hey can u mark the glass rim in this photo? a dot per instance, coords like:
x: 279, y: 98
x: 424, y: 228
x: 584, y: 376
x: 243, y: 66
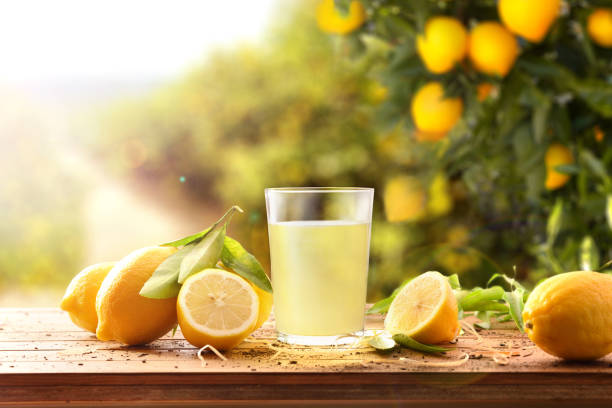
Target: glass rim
x: 319, y: 189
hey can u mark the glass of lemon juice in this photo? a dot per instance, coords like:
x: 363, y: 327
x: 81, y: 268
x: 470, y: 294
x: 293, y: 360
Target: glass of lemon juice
x: 319, y: 253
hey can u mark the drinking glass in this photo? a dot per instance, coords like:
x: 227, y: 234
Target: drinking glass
x: 319, y: 252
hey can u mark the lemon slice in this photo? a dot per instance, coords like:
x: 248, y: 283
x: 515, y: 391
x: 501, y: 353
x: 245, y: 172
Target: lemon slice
x: 217, y: 308
x: 425, y: 309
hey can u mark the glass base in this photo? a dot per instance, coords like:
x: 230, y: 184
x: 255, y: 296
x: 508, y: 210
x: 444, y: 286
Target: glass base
x: 319, y: 340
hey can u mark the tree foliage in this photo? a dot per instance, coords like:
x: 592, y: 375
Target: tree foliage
x: 313, y: 109
x: 558, y: 91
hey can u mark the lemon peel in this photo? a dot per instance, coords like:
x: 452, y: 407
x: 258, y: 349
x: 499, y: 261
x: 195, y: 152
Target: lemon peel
x: 211, y: 348
x: 79, y: 300
x: 124, y: 315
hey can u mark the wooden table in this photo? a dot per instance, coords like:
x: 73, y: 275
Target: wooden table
x: 45, y: 359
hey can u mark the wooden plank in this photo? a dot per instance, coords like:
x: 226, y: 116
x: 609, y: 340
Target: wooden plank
x: 292, y: 364
x: 152, y: 388
x: 44, y: 358
x: 64, y: 351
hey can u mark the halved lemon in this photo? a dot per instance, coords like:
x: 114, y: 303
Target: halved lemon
x: 217, y: 308
x: 425, y: 309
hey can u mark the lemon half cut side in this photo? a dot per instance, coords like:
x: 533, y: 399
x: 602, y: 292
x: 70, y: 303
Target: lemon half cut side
x: 425, y: 309
x: 217, y: 308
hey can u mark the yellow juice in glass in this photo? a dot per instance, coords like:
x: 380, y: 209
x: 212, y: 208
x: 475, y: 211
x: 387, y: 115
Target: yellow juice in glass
x: 319, y: 276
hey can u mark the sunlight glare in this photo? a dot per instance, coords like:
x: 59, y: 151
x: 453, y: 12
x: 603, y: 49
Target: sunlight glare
x: 60, y: 39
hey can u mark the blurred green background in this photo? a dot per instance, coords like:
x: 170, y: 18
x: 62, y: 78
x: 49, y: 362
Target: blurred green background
x: 90, y: 182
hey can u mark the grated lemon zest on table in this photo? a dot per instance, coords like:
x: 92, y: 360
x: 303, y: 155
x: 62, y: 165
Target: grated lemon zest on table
x: 361, y: 342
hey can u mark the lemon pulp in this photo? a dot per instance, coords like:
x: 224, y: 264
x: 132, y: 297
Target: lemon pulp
x: 218, y: 308
x: 425, y: 309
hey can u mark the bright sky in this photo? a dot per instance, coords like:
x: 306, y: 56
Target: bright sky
x: 62, y: 39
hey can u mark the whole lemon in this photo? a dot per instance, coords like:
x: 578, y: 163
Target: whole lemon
x: 443, y: 43
x: 124, y: 315
x: 556, y: 155
x: 330, y: 20
x: 376, y: 93
x: 404, y: 199
x: 492, y: 49
x: 570, y: 315
x: 80, y: 297
x: 440, y: 200
x: 434, y: 113
x: 527, y: 18
x: 265, y: 305
x: 599, y: 27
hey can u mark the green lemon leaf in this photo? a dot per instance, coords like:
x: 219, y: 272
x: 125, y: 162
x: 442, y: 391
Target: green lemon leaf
x: 515, y: 305
x: 512, y: 282
x: 483, y: 325
x: 166, y: 280
x: 589, y: 254
x: 504, y: 318
x: 187, y: 240
x: 541, y: 112
x: 382, y: 306
x: 567, y: 169
x: 596, y: 93
x: 553, y: 225
x: 234, y: 256
x: 382, y: 343
x: 480, y: 296
x: 206, y: 253
x: 609, y: 210
x: 594, y: 164
x: 487, y: 306
x: 485, y: 320
x: 163, y: 284
x: 605, y: 265
x: 411, y: 343
x: 453, y: 280
x: 460, y: 294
